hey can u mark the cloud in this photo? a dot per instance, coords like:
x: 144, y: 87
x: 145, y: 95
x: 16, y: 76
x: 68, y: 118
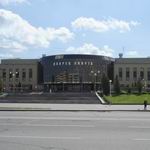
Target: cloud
x: 7, y: 2
x: 88, y: 48
x: 12, y: 46
x: 5, y: 56
x: 18, y: 35
x: 103, y: 25
x: 132, y: 54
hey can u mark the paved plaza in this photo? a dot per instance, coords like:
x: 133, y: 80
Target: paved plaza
x: 70, y: 107
x: 74, y: 130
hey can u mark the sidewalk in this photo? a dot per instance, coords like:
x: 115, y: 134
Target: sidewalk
x: 68, y: 107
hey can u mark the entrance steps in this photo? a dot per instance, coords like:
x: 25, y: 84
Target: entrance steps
x: 57, y: 98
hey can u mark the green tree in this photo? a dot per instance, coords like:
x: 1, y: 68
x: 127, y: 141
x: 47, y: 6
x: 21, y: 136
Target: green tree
x: 139, y: 86
x: 129, y: 90
x: 105, y: 84
x: 116, y: 85
x: 1, y: 85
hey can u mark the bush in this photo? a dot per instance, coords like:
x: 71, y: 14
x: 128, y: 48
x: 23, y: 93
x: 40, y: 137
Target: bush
x: 129, y: 90
x: 117, y: 85
x: 105, y: 84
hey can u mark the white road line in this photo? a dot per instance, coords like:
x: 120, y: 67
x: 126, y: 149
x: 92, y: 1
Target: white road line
x: 141, y: 139
x: 47, y: 125
x: 40, y: 137
x: 139, y: 127
x: 79, y: 118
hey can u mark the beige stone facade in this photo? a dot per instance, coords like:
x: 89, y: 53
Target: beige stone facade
x: 130, y: 70
x: 19, y: 74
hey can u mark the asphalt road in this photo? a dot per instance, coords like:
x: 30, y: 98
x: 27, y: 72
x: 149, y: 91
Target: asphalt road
x: 74, y: 130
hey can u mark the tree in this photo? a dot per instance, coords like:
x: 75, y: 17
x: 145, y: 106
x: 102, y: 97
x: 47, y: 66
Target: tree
x: 1, y: 85
x: 139, y: 86
x: 129, y: 90
x: 105, y: 84
x: 116, y: 85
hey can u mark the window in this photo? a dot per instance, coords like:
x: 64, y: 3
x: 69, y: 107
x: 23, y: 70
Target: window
x: 142, y: 73
x: 4, y: 73
x: 120, y: 73
x: 127, y: 73
x: 17, y: 73
x: 23, y: 74
x: 30, y: 73
x: 54, y: 64
x: 59, y: 63
x: 148, y: 74
x: 10, y: 73
x: 134, y: 73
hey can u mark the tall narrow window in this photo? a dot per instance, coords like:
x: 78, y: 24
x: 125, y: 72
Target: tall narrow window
x: 120, y: 73
x: 134, y: 73
x: 127, y: 73
x: 30, y: 73
x: 4, y: 73
x: 17, y: 73
x: 142, y: 73
x: 23, y: 74
x: 148, y: 74
x: 10, y: 73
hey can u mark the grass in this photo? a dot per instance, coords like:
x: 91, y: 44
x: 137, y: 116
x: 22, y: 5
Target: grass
x: 128, y: 98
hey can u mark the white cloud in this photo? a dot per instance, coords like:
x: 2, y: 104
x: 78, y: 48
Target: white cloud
x: 12, y: 46
x: 5, y: 56
x: 103, y: 25
x: 7, y: 2
x: 88, y: 48
x: 18, y: 34
x: 132, y: 54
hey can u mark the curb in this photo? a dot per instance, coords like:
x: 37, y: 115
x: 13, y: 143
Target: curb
x: 76, y: 110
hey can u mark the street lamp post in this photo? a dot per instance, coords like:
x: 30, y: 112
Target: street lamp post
x: 15, y: 79
x: 144, y: 84
x: 110, y: 81
x: 35, y: 88
x: 95, y: 74
x: 13, y: 76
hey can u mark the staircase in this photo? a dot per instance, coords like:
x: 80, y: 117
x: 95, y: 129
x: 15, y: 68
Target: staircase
x: 57, y: 98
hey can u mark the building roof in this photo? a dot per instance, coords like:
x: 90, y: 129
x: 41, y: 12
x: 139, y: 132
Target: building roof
x: 78, y: 56
x: 19, y: 61
x: 132, y: 61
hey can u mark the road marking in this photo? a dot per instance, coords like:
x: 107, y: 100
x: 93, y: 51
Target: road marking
x: 141, y: 139
x: 47, y: 125
x: 79, y: 118
x: 139, y: 127
x: 40, y: 137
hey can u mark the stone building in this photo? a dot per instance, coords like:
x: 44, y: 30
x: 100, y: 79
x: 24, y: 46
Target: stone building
x: 20, y: 74
x: 130, y: 70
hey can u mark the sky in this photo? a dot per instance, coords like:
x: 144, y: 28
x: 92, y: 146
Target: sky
x: 30, y: 28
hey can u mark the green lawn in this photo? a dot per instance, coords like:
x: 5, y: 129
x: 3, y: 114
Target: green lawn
x: 128, y: 99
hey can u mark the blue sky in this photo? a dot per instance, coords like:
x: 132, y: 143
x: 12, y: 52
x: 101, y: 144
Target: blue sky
x: 30, y: 28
